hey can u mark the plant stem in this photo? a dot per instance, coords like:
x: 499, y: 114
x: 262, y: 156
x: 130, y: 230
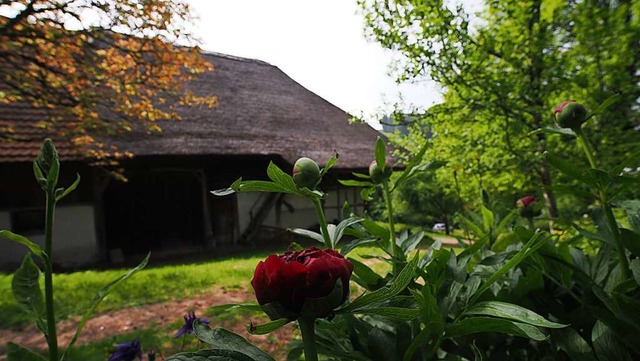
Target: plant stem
x: 307, y: 326
x: 52, y: 338
x: 613, y: 226
x: 532, y: 226
x: 604, y: 200
x: 323, y: 223
x: 584, y: 143
x: 392, y: 228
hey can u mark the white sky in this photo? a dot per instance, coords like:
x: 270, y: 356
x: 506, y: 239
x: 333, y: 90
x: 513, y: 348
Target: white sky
x: 318, y: 43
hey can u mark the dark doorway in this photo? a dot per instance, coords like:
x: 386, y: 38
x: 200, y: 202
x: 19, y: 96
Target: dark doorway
x: 156, y: 210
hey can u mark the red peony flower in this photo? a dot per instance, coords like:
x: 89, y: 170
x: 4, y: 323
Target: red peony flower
x: 311, y: 281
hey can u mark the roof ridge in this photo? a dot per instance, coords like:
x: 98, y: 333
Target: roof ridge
x: 234, y: 57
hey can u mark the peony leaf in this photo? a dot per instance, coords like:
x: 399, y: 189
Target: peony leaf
x: 16, y: 352
x: 34, y: 248
x: 266, y: 327
x: 473, y: 325
x: 224, y: 339
x: 210, y: 355
x: 511, y: 312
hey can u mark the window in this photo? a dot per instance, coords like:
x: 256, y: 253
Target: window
x: 29, y: 221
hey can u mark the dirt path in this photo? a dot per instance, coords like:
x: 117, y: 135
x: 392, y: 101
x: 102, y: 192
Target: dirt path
x: 163, y: 314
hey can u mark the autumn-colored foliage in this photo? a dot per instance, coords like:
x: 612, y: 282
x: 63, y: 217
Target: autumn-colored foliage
x: 98, y: 67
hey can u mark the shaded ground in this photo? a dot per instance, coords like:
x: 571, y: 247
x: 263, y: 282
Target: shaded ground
x: 161, y: 315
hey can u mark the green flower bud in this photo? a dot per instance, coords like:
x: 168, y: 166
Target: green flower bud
x: 306, y: 173
x: 379, y: 175
x: 47, y: 156
x: 570, y: 114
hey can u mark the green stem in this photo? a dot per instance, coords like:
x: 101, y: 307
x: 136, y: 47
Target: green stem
x: 611, y: 220
x: 307, y: 326
x: 52, y: 338
x: 532, y: 226
x: 584, y: 143
x: 613, y: 225
x: 392, y: 228
x: 323, y: 222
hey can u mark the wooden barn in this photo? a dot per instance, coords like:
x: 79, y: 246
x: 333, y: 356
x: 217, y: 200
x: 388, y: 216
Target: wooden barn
x: 166, y: 206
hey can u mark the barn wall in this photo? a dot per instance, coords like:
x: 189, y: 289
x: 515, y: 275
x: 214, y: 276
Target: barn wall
x: 74, y: 242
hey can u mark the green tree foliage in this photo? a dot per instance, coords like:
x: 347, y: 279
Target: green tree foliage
x: 503, y: 73
x: 420, y: 201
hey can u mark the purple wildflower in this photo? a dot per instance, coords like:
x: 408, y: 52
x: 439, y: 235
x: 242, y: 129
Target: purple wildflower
x: 189, y: 318
x: 127, y: 351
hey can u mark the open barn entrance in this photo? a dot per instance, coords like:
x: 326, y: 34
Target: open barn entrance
x: 155, y: 210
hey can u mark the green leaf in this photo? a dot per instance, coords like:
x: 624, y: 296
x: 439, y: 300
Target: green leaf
x: 410, y: 168
x: 307, y: 233
x: 102, y: 293
x: 554, y: 129
x: 234, y: 306
x: 70, y: 189
x: 335, y: 234
x: 570, y: 169
x: 635, y: 269
x: 425, y: 335
x: 505, y: 221
x: 26, y: 290
x: 330, y: 164
x: 266, y: 327
x: 262, y: 186
x: 537, y: 241
x: 376, y: 229
x: 52, y: 176
x: 397, y: 285
x: 365, y: 273
x: 630, y: 240
x: 606, y: 104
x: 632, y: 208
x: 473, y: 228
x: 210, y: 355
x: 393, y: 312
x: 572, y: 189
x: 37, y: 172
x: 224, y: 339
x: 380, y: 153
x: 356, y: 243
x: 472, y: 325
x: 590, y: 235
x: 511, y: 312
x: 16, y: 352
x: 606, y: 344
x: 34, y: 248
x: 355, y: 183
x: 487, y: 218
x: 281, y: 178
x: 617, y: 170
x: 410, y: 243
x: 573, y: 344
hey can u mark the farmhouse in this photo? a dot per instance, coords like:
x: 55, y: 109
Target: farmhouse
x: 166, y: 206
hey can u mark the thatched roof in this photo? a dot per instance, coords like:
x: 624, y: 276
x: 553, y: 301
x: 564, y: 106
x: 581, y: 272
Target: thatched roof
x: 261, y: 111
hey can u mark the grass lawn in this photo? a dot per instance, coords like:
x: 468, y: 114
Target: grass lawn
x: 73, y: 291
